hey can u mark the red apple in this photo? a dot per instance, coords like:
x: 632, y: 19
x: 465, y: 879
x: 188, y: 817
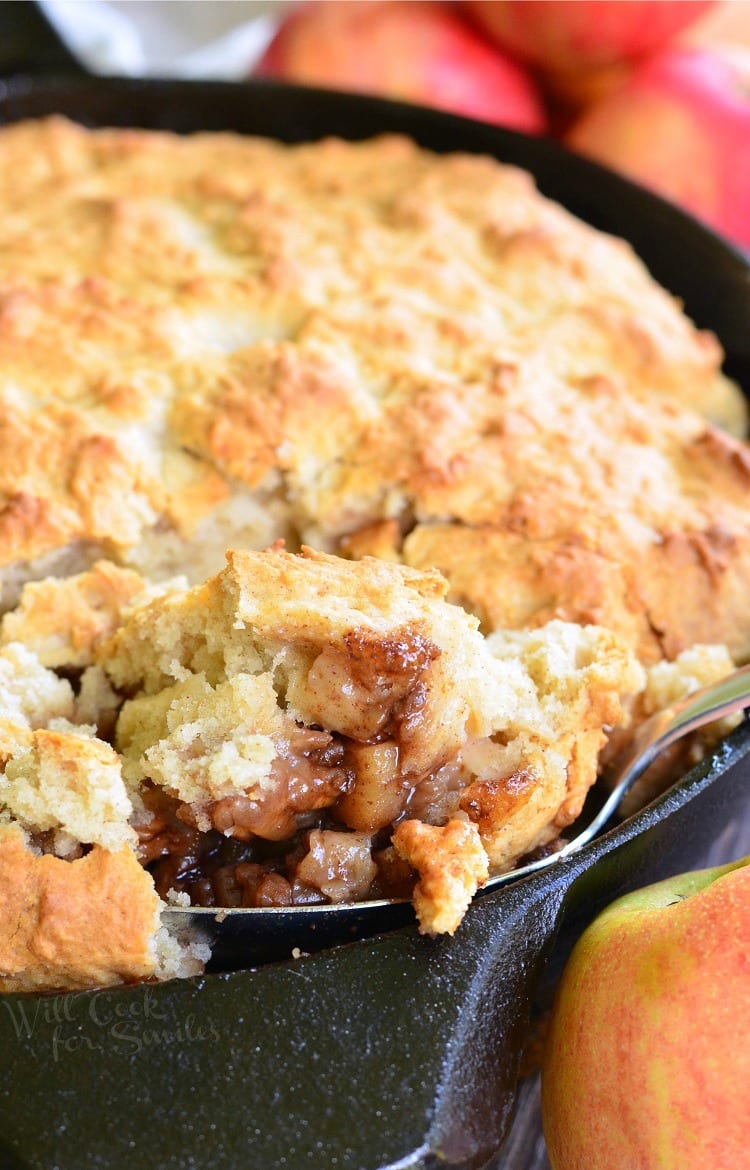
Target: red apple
x: 570, y: 35
x: 647, y: 1061
x: 421, y: 52
x: 681, y: 126
x: 583, y: 48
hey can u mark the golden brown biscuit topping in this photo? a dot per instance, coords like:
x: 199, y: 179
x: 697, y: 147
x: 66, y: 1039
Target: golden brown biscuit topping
x: 215, y: 341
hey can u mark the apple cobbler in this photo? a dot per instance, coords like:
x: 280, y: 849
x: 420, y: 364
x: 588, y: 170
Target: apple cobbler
x: 518, y: 460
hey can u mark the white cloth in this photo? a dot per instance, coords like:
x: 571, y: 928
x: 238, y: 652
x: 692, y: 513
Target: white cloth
x: 220, y: 39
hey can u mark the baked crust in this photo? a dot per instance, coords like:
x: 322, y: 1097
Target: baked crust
x: 452, y: 866
x: 69, y: 783
x: 67, y: 925
x: 63, y: 621
x: 235, y: 340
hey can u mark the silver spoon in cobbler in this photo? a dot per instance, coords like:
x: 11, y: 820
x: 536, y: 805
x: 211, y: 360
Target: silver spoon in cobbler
x: 241, y: 929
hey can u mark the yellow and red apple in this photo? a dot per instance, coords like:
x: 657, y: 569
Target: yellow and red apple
x: 680, y: 125
x: 419, y: 52
x: 647, y: 1061
x: 568, y: 35
x: 583, y: 49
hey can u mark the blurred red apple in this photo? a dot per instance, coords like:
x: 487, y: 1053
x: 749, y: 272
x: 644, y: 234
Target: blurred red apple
x: 647, y: 1059
x: 421, y: 52
x: 583, y: 48
x: 568, y: 35
x: 681, y: 126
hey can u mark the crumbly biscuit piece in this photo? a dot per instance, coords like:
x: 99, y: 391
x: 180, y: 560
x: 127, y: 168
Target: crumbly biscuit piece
x: 67, y: 781
x: 203, y: 742
x: 62, y: 621
x: 236, y: 340
x: 30, y: 697
x: 66, y: 925
x: 30, y: 694
x: 668, y: 683
x: 579, y: 677
x: 452, y: 866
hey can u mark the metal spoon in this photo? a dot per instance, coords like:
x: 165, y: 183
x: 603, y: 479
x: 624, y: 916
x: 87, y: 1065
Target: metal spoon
x: 716, y: 701
x: 249, y: 936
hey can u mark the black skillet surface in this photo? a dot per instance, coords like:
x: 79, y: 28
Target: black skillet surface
x: 394, y: 1050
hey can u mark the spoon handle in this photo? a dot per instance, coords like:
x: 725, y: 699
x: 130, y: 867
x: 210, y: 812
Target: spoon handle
x: 726, y: 697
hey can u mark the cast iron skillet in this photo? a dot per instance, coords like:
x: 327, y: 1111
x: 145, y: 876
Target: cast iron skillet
x: 394, y: 1050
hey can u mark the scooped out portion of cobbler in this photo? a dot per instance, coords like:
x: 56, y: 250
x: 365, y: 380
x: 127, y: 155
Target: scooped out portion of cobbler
x: 297, y: 729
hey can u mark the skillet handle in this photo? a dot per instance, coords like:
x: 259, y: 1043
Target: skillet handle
x: 509, y: 936
x: 391, y: 1051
